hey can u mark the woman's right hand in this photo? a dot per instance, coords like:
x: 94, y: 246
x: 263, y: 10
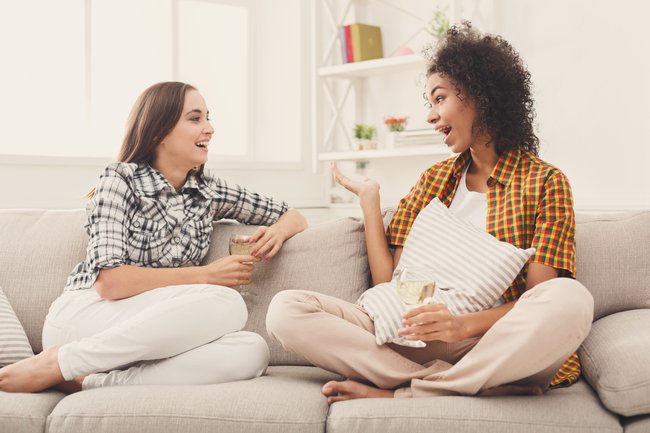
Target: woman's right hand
x: 367, y: 189
x: 231, y: 271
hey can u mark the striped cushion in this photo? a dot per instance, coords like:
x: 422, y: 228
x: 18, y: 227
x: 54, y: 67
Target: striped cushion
x: 475, y: 266
x: 14, y: 345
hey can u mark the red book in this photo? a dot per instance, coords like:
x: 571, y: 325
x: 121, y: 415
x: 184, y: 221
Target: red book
x: 348, y: 42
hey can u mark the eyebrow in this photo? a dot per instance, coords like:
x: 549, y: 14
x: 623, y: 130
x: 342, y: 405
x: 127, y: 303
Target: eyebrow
x: 436, y: 88
x: 196, y: 110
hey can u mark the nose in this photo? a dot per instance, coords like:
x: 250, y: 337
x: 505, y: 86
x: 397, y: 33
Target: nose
x: 208, y: 129
x: 432, y: 116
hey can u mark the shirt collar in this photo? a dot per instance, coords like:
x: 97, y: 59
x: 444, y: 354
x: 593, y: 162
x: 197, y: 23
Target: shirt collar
x: 201, y: 185
x: 148, y: 181
x: 502, y: 171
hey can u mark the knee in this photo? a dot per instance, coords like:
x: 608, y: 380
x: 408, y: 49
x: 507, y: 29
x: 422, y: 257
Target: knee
x: 281, y: 313
x: 573, y: 304
x: 255, y: 355
x: 234, y: 304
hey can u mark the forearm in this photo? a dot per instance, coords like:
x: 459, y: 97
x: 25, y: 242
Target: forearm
x: 477, y: 324
x: 127, y: 280
x: 290, y: 223
x: 379, y: 257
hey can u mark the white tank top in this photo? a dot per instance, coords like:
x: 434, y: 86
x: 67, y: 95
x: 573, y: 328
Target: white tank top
x: 469, y: 205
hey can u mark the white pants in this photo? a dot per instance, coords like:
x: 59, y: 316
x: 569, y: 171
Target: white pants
x: 176, y: 335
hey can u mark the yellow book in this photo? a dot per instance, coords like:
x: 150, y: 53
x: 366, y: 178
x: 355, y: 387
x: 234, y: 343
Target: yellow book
x: 366, y: 42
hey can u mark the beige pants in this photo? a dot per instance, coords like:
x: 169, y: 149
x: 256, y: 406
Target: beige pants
x: 527, y: 345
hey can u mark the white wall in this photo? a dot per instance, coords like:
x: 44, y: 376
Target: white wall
x: 590, y: 65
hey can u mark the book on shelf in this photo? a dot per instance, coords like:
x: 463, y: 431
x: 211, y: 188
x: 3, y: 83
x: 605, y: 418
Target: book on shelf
x: 415, y: 137
x: 360, y: 42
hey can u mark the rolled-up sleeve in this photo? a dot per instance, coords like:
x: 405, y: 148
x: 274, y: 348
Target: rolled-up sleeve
x: 247, y: 207
x: 554, y: 236
x: 108, y: 213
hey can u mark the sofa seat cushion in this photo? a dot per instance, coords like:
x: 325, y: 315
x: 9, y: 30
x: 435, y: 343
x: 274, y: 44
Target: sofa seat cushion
x: 286, y: 400
x: 637, y: 424
x: 615, y: 359
x: 558, y: 411
x: 26, y: 413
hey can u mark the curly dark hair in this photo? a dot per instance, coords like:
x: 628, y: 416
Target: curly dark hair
x: 491, y: 73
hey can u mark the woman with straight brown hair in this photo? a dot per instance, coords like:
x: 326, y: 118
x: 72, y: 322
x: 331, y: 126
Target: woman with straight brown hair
x: 140, y: 309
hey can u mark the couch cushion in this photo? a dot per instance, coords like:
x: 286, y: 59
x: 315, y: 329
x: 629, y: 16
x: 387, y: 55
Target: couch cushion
x: 615, y: 358
x: 38, y: 250
x: 26, y: 413
x: 612, y: 260
x: 329, y: 258
x: 286, y: 400
x: 560, y: 410
x: 637, y: 424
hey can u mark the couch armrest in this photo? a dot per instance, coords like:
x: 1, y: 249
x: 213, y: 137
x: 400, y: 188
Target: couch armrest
x: 615, y: 361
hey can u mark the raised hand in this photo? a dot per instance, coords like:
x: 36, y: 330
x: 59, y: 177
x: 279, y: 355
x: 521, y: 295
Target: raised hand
x: 367, y: 189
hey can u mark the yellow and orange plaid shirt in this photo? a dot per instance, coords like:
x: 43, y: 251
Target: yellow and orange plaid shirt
x: 529, y: 205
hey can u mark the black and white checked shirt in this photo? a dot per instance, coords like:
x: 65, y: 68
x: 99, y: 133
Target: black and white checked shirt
x: 137, y: 218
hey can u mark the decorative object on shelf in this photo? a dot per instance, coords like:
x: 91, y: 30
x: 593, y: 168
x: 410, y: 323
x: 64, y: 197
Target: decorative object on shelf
x: 438, y: 24
x: 404, y: 51
x: 365, y: 135
x: 396, y: 124
x: 360, y: 42
x: 414, y: 137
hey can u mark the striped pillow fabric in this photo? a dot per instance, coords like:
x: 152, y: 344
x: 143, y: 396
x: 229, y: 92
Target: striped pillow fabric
x: 14, y: 344
x: 473, y: 266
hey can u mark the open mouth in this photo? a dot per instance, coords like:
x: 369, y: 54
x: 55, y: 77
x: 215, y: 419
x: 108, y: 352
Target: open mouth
x: 202, y: 144
x: 444, y: 130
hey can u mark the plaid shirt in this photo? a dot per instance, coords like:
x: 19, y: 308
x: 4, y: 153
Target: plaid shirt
x: 529, y: 205
x: 137, y: 218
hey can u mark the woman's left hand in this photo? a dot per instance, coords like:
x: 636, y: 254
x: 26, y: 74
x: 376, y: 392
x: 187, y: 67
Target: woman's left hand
x: 431, y: 322
x: 267, y: 242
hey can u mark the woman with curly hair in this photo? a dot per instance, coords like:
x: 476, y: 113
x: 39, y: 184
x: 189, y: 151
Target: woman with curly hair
x: 479, y: 96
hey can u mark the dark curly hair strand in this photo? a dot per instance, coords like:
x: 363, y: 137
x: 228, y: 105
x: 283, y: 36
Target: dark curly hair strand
x: 491, y: 73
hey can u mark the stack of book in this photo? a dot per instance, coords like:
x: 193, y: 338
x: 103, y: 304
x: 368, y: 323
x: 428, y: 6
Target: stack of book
x: 360, y: 42
x: 415, y: 137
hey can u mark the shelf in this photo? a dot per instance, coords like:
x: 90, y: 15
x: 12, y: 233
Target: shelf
x: 365, y: 155
x: 373, y: 67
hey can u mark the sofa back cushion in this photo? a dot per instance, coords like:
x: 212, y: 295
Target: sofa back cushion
x: 329, y: 258
x: 613, y: 260
x: 38, y: 249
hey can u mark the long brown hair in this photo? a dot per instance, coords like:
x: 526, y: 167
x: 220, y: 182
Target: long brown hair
x: 153, y: 116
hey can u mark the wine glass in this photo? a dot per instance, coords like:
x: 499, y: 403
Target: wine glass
x: 240, y: 245
x: 413, y: 287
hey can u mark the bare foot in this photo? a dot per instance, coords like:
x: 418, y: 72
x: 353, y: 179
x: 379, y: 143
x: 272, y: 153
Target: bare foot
x: 530, y: 389
x: 32, y: 374
x: 349, y: 389
x: 70, y: 386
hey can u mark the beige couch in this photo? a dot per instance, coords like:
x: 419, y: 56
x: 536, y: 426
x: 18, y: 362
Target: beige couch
x: 39, y: 248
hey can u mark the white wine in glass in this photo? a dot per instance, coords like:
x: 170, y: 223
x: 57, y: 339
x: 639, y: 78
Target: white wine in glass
x: 240, y: 245
x: 413, y: 288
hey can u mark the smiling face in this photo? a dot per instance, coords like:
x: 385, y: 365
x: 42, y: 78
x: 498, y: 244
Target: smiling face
x: 186, y: 146
x: 450, y: 115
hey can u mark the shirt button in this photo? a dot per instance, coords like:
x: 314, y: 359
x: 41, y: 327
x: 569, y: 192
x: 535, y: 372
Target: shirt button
x: 177, y: 240
x: 136, y: 224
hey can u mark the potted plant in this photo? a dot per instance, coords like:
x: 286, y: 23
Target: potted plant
x: 438, y: 24
x: 365, y: 136
x: 395, y: 126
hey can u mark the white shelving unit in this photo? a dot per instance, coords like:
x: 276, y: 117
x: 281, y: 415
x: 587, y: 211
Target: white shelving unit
x: 339, y: 89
